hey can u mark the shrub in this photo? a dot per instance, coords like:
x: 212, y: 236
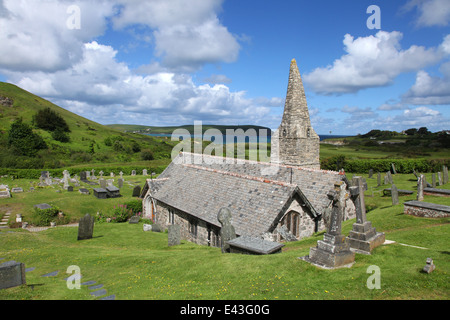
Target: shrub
x: 147, y: 155
x: 60, y: 136
x: 49, y: 120
x: 121, y: 213
x: 43, y: 217
x: 135, y: 206
x: 23, y: 140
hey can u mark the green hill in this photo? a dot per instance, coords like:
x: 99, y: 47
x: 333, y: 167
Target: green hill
x: 89, y: 142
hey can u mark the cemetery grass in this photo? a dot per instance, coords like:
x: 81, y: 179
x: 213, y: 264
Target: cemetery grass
x: 133, y: 264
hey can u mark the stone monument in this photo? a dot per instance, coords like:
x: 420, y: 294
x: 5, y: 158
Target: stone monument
x: 12, y: 274
x: 174, y: 235
x: 334, y: 250
x: 227, y: 231
x: 394, y: 195
x: 86, y: 227
x: 363, y: 238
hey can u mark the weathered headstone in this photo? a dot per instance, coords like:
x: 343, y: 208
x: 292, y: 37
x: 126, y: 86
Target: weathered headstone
x: 83, y: 176
x: 120, y: 183
x: 386, y: 179
x: 370, y: 173
x: 227, y: 231
x: 334, y: 250
x: 445, y: 173
x: 147, y: 227
x: 101, y: 174
x: 429, y: 266
x: 70, y: 188
x: 286, y: 234
x: 433, y: 180
x: 86, y: 227
x: 102, y: 183
x: 83, y: 191
x: 394, y: 195
x: 136, y: 191
x: 133, y: 172
x: 439, y: 178
x: 156, y: 228
x: 113, y: 192
x: 100, y: 193
x: 363, y: 238
x: 144, y: 172
x: 121, y: 174
x: 420, y: 188
x: 174, y: 235
x: 12, y: 274
x: 378, y: 179
x: 393, y: 168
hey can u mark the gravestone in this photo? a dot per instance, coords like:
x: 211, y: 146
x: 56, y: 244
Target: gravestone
x: 433, y: 180
x: 111, y: 174
x: 42, y: 206
x: 156, y: 228
x: 227, y: 231
x: 113, y: 192
x: 286, y: 234
x: 144, y: 172
x: 378, y: 179
x: 386, y: 179
x: 255, y: 246
x: 393, y: 168
x: 334, y: 250
x: 70, y: 188
x: 136, y: 191
x: 394, y: 195
x: 370, y: 173
x: 12, y: 274
x: 439, y: 178
x: 86, y: 227
x: 121, y: 174
x: 134, y: 220
x: 133, y: 172
x: 363, y: 238
x: 147, y: 227
x: 16, y: 190
x: 102, y: 183
x: 174, y: 234
x: 120, y: 183
x: 100, y: 193
x: 420, y: 188
x: 429, y: 266
x: 101, y: 174
x: 83, y: 191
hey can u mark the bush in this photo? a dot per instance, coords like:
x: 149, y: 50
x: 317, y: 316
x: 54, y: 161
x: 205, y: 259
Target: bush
x: 121, y: 213
x: 147, y: 155
x: 43, y: 217
x: 60, y: 136
x: 23, y: 140
x: 135, y: 206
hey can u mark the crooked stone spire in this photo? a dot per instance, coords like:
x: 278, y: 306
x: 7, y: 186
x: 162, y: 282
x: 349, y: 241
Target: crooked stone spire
x: 298, y: 142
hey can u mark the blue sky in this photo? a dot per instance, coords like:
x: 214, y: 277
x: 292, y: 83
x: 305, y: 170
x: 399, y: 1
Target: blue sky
x: 173, y: 62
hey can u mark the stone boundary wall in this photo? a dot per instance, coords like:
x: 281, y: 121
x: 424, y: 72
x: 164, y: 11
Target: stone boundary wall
x: 426, y: 210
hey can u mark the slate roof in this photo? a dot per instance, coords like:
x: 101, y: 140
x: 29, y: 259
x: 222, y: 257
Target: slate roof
x: 256, y: 197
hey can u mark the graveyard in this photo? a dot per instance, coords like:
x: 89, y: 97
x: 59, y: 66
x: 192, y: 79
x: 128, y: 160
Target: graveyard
x: 123, y: 261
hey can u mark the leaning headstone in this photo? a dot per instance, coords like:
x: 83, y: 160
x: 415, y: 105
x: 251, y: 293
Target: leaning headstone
x: 286, y: 234
x: 227, y: 231
x: 420, y: 188
x: 363, y: 238
x: 394, y: 195
x: 136, y: 191
x: 12, y: 274
x: 334, y: 250
x: 174, y: 235
x: 86, y: 227
x: 429, y: 267
x: 393, y: 168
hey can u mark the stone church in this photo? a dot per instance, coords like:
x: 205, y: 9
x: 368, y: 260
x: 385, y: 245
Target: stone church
x: 286, y: 198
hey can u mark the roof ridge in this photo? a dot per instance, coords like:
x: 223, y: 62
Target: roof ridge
x: 262, y: 163
x: 243, y: 176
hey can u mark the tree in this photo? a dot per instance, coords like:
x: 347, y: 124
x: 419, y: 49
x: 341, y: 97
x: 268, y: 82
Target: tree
x: 423, y: 131
x: 23, y: 140
x: 49, y: 120
x: 411, y: 132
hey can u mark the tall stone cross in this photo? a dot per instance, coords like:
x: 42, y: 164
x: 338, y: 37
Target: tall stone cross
x: 338, y: 196
x: 357, y: 196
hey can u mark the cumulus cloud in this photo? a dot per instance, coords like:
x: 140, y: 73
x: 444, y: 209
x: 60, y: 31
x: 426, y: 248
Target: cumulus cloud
x: 430, y: 90
x: 371, y: 61
x: 430, y: 12
x: 107, y: 91
x: 35, y: 35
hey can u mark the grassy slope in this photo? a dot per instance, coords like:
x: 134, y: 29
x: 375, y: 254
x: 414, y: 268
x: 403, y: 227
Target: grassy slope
x: 133, y: 264
x: 83, y: 131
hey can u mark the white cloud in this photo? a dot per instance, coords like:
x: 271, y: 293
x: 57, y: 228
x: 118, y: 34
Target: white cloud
x: 105, y: 90
x: 34, y: 34
x: 431, y: 12
x: 429, y: 90
x: 371, y: 61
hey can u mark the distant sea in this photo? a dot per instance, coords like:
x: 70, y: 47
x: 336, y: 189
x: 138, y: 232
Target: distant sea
x: 321, y: 136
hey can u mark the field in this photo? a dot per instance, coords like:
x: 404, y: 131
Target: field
x: 137, y: 265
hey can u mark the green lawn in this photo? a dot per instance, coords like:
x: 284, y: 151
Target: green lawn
x: 133, y: 264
